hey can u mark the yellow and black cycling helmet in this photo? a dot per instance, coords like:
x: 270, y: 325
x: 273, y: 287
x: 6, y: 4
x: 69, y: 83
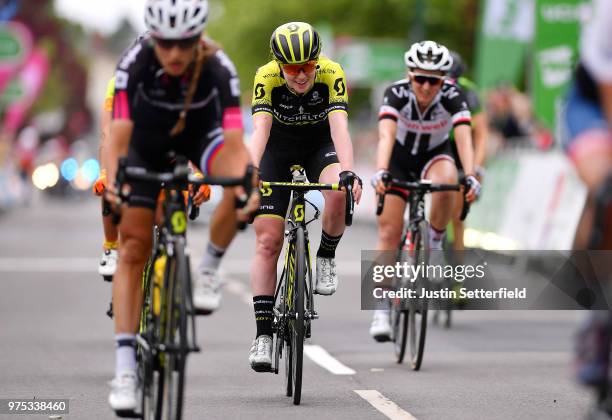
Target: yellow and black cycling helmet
x: 295, y: 43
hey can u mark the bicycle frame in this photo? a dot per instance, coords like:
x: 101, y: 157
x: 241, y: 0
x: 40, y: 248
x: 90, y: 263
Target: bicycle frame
x: 297, y: 217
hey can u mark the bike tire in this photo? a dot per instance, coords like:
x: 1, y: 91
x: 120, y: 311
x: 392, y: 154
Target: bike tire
x: 176, y: 336
x: 297, y: 342
x: 148, y: 363
x: 288, y: 367
x: 284, y: 328
x: 399, y: 314
x: 399, y: 323
x: 417, y: 328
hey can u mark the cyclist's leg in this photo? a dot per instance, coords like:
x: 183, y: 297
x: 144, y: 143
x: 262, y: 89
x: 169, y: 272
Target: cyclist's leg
x: 440, y: 168
x: 390, y: 224
x: 135, y: 247
x: 269, y: 227
x: 588, y: 142
x: 108, y: 262
x: 322, y: 164
x: 218, y: 155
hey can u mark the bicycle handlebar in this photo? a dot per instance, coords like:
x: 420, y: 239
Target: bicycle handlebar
x: 307, y: 186
x: 179, y: 177
x: 424, y: 186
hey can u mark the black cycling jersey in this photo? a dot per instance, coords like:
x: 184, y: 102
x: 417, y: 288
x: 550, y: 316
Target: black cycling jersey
x: 300, y: 118
x: 586, y: 84
x: 145, y: 94
x: 419, y: 132
x: 153, y: 100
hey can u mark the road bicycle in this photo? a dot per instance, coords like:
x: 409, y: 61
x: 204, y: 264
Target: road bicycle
x: 294, y: 307
x: 167, y: 332
x: 408, y: 317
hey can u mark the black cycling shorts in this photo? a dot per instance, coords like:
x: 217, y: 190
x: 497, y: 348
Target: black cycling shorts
x: 408, y: 167
x: 149, y: 150
x: 275, y: 166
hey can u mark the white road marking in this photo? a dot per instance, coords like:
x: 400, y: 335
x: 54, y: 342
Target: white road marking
x: 322, y: 358
x: 384, y: 405
x: 49, y: 264
x: 343, y: 267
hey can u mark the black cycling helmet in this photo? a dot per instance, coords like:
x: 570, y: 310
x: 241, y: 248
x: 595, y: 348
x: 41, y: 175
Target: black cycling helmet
x: 458, y: 67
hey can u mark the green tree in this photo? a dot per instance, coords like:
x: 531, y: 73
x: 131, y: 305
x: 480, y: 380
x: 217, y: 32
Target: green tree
x: 244, y: 28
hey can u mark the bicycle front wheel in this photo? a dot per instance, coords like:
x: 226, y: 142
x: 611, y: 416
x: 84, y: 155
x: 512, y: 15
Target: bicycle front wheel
x: 297, y: 325
x: 399, y: 312
x: 417, y: 313
x: 176, y: 335
x: 148, y: 358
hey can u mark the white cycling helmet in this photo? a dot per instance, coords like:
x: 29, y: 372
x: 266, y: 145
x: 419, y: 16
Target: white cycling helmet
x: 428, y: 55
x: 176, y: 19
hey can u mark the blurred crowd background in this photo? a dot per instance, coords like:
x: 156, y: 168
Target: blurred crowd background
x: 57, y: 56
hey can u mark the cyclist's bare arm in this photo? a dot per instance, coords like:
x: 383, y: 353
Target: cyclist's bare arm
x: 480, y: 129
x: 105, y: 120
x: 338, y: 125
x: 262, y: 123
x: 387, y: 130
x: 605, y: 90
x: 120, y: 136
x: 465, y: 148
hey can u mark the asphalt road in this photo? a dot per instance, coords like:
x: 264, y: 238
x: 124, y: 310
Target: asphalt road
x: 56, y: 341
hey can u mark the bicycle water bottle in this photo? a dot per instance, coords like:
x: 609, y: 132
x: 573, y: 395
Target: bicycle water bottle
x: 158, y: 276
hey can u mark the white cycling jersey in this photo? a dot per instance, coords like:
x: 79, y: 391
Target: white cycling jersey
x: 596, y: 42
x: 419, y: 131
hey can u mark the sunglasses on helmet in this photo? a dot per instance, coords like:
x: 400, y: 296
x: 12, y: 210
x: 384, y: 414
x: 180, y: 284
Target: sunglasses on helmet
x: 295, y: 69
x: 421, y: 79
x: 182, y: 44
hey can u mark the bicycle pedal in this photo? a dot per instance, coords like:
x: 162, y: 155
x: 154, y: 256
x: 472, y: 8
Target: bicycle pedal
x: 262, y: 368
x: 108, y: 279
x: 131, y: 414
x: 110, y: 312
x: 202, y: 312
x: 382, y: 338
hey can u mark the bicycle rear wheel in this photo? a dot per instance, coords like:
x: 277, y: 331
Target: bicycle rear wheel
x: 283, y: 342
x: 417, y: 317
x: 288, y: 354
x: 176, y: 350
x: 298, y: 323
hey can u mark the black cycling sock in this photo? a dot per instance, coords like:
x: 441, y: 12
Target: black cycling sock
x: 263, y: 305
x: 327, y: 248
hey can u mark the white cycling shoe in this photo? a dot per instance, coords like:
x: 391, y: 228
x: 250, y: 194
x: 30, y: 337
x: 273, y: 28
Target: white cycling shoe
x: 108, y: 264
x: 327, y: 279
x: 260, y: 355
x: 124, y: 392
x: 380, y: 329
x: 207, y: 287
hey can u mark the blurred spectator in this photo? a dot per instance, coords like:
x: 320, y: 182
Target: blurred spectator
x: 509, y: 112
x: 57, y: 79
x: 512, y: 120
